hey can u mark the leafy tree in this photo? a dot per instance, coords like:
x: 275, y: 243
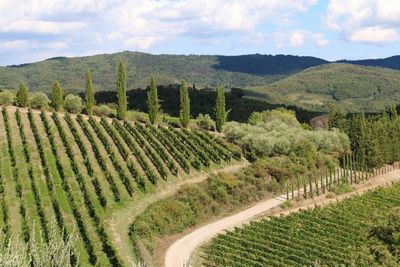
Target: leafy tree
x: 56, y: 96
x: 39, y: 100
x: 89, y: 93
x: 73, y: 103
x: 102, y: 110
x: 22, y: 98
x: 121, y: 91
x: 205, y: 122
x: 184, y: 113
x: 152, y: 101
x: 337, y: 119
x: 220, y: 112
x: 6, y: 98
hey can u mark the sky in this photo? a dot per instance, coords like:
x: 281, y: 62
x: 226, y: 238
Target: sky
x: 34, y: 30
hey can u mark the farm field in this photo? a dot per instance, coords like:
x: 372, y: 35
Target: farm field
x: 337, y: 234
x: 75, y: 171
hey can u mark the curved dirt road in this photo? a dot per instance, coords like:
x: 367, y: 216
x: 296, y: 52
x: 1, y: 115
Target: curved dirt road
x: 179, y: 253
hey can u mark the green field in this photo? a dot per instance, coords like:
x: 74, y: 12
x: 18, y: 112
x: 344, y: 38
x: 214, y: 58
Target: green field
x: 75, y: 172
x: 323, y: 236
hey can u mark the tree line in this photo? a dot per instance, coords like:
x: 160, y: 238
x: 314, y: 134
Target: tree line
x: 374, y: 139
x: 74, y: 104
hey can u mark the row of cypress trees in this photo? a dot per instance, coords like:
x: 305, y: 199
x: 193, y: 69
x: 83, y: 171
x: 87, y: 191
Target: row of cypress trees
x: 374, y: 140
x: 154, y: 104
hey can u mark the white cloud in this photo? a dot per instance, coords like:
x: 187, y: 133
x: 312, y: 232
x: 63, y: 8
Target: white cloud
x: 15, y: 44
x: 368, y: 21
x: 299, y: 38
x: 39, y: 26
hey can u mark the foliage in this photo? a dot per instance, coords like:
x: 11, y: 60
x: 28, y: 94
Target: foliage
x: 57, y: 96
x: 220, y: 112
x: 278, y: 138
x: 39, y: 100
x: 337, y: 119
x: 102, y: 110
x: 152, y: 102
x: 22, y: 97
x: 281, y: 114
x: 205, y: 122
x: 73, y: 103
x: 6, y: 98
x: 89, y: 93
x: 121, y: 91
x: 184, y: 110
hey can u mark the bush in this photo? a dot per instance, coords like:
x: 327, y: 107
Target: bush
x: 286, y: 116
x: 73, y: 103
x: 39, y: 100
x: 6, y: 98
x: 102, y: 110
x: 205, y: 122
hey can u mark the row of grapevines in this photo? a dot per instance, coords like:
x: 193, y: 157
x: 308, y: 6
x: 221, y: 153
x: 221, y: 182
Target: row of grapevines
x: 157, y: 146
x: 18, y: 186
x: 86, y: 158
x: 4, y: 210
x: 140, y: 156
x: 234, y: 150
x: 35, y: 190
x: 157, y: 134
x: 106, y: 244
x: 50, y: 187
x: 210, y: 150
x: 181, y: 147
x: 220, y: 150
x: 75, y: 168
x: 198, y: 151
x: 118, y: 167
x: 154, y: 158
x: 327, y: 235
x: 65, y: 186
x: 99, y: 157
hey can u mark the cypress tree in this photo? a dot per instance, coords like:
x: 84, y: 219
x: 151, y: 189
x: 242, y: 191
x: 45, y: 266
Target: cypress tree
x: 152, y: 101
x: 22, y: 97
x: 89, y: 93
x: 56, y: 96
x: 184, y: 112
x: 121, y: 91
x: 220, y: 112
x: 337, y: 119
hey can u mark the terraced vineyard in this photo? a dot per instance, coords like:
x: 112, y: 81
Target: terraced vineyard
x: 328, y: 236
x: 72, y: 170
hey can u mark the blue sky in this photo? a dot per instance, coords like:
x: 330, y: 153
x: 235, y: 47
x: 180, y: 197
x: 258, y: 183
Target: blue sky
x: 34, y: 30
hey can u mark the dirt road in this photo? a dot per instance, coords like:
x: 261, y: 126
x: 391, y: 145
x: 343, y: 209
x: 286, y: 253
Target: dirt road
x: 179, y: 253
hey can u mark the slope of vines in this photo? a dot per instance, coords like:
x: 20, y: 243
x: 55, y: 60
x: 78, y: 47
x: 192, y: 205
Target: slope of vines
x: 325, y: 236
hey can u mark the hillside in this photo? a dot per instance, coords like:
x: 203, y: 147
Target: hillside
x: 239, y: 71
x: 74, y: 172
x: 389, y: 62
x: 353, y: 87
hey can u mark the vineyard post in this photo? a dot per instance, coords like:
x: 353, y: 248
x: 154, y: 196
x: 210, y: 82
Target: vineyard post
x: 305, y: 186
x: 311, y: 188
x: 316, y: 185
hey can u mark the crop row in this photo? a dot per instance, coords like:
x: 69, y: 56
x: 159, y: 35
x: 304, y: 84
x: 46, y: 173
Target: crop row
x: 118, y: 167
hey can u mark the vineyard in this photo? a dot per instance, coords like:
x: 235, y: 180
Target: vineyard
x: 323, y: 236
x: 71, y: 170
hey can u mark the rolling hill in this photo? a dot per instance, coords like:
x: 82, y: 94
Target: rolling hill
x: 238, y: 71
x: 353, y: 87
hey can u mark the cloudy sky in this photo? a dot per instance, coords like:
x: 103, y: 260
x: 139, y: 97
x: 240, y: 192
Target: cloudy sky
x: 33, y: 30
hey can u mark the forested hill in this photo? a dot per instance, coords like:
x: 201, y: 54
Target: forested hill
x: 353, y: 87
x: 203, y: 71
x: 389, y: 62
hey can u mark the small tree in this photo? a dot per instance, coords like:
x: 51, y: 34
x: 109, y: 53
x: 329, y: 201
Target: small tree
x: 121, y: 91
x: 73, y: 103
x: 89, y: 93
x: 6, y: 98
x: 56, y: 96
x: 39, y: 101
x: 184, y: 112
x: 220, y: 112
x: 152, y: 101
x: 22, y: 98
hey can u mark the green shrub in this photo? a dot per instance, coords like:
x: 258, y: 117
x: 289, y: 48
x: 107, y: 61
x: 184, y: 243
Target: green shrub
x: 73, y: 103
x: 102, y: 110
x: 286, y: 116
x: 205, y: 122
x: 6, y: 98
x: 39, y: 100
